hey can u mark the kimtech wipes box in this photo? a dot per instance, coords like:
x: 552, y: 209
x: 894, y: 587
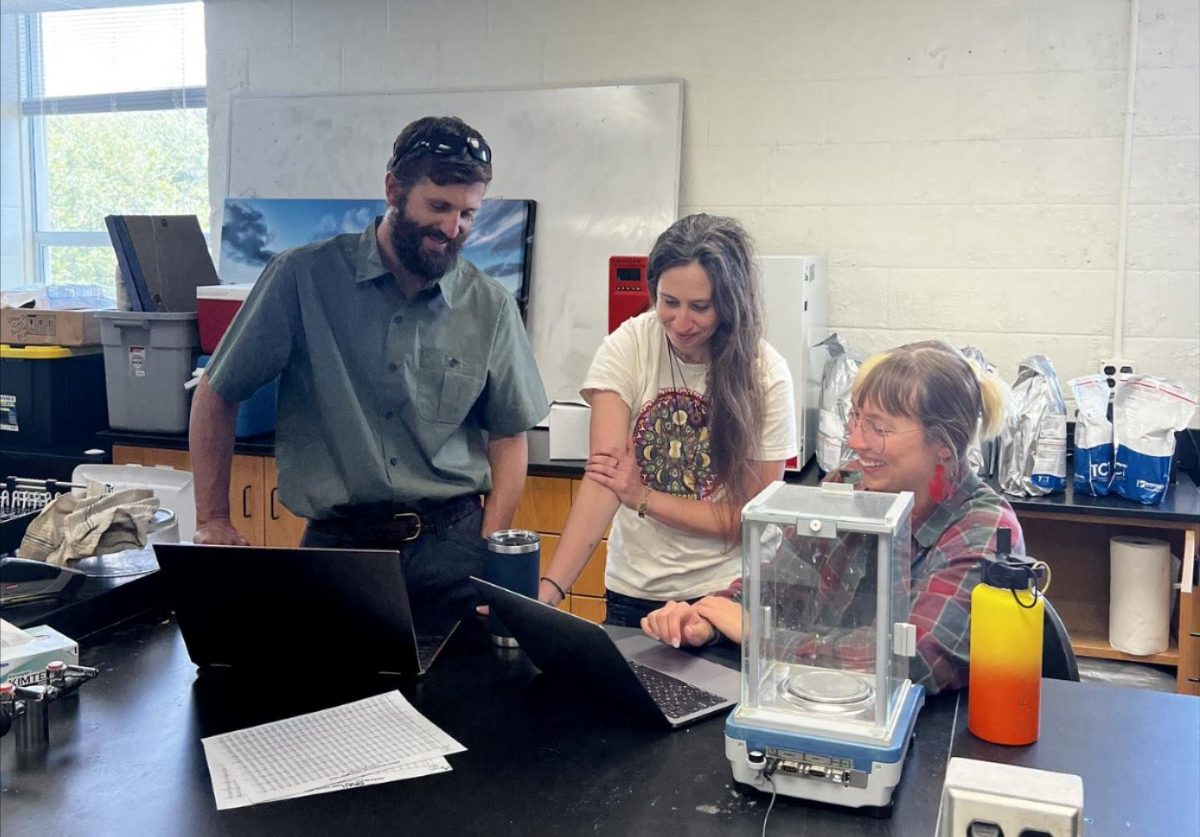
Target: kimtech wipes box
x: 25, y: 653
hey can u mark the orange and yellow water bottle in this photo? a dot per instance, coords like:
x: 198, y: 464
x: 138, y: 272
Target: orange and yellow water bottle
x: 1007, y: 612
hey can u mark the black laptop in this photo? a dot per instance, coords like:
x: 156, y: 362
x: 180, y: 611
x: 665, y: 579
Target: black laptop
x: 624, y: 664
x: 338, y: 612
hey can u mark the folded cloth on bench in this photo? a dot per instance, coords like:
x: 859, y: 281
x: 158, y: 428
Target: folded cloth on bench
x: 97, y: 523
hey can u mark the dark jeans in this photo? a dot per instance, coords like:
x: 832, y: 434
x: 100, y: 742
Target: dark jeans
x: 436, y: 565
x: 627, y: 612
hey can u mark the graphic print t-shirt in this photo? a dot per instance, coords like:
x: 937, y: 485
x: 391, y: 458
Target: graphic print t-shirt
x: 672, y: 447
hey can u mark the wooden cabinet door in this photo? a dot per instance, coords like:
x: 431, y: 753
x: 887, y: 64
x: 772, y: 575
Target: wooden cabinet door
x: 281, y: 527
x: 544, y: 504
x: 575, y: 493
x: 591, y: 580
x: 136, y: 455
x: 1189, y: 644
x: 128, y: 455
x: 588, y: 608
x: 548, y: 545
x: 180, y: 460
x: 246, y: 501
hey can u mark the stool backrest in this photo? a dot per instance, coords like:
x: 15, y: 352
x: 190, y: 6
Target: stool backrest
x: 1058, y: 657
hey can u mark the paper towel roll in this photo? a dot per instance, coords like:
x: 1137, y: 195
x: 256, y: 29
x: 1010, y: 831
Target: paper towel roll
x: 1139, y: 610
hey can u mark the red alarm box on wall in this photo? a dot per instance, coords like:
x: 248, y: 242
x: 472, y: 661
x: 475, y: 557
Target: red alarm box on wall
x: 628, y: 290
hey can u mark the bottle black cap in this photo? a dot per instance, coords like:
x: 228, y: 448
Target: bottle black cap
x: 1003, y: 542
x: 1009, y: 572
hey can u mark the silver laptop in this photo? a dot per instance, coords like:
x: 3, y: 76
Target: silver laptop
x: 344, y: 611
x: 672, y: 685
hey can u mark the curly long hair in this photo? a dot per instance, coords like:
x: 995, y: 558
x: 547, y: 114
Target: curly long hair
x: 734, y: 392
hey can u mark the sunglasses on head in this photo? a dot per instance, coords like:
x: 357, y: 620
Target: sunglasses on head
x: 450, y: 145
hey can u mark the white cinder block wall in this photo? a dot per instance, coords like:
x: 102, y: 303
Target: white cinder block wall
x: 960, y: 161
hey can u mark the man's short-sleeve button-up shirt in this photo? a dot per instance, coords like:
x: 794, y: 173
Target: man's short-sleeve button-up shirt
x: 381, y: 399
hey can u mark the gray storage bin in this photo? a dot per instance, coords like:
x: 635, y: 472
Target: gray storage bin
x: 148, y: 357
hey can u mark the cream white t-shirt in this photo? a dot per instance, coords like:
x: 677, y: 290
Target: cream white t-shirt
x: 647, y: 559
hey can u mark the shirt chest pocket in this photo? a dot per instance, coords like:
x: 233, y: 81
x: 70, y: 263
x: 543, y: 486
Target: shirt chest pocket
x: 447, y: 386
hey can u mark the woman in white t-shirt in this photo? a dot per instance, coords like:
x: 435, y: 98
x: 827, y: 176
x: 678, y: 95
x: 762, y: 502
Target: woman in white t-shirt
x: 692, y: 415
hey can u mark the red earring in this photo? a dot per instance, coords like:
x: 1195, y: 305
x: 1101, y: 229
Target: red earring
x: 939, y: 489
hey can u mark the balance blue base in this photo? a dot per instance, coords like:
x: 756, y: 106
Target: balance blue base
x: 862, y: 755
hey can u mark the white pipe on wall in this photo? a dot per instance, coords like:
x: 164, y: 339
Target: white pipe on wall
x: 1126, y: 170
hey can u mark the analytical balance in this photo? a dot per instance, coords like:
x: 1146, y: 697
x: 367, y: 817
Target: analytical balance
x: 827, y: 710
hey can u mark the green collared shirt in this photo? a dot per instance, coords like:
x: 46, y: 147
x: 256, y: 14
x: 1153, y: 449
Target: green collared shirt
x: 381, y: 399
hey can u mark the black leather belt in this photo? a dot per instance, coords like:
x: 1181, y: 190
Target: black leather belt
x: 398, y: 523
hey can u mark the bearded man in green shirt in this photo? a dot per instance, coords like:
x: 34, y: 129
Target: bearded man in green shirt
x: 406, y: 379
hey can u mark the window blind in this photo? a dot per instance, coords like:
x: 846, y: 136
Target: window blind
x: 144, y: 57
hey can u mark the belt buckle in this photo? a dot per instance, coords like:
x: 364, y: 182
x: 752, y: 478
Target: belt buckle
x: 416, y: 532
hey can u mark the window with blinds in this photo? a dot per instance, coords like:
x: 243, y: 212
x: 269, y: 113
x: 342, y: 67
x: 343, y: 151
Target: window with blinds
x: 112, y: 102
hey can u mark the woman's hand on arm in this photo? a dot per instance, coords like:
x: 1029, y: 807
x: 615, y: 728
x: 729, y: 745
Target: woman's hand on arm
x: 679, y: 623
x: 697, y: 517
x: 724, y: 614
x: 617, y: 470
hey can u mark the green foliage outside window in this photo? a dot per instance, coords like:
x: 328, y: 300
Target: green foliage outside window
x: 120, y: 163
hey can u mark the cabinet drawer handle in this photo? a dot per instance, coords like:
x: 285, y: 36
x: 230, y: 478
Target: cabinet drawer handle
x: 1194, y: 679
x: 245, y: 501
x: 274, y: 491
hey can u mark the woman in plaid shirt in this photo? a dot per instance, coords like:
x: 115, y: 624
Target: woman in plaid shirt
x: 916, y: 410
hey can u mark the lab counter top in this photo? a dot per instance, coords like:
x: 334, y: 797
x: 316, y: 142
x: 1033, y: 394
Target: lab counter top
x: 543, y: 756
x: 100, y: 603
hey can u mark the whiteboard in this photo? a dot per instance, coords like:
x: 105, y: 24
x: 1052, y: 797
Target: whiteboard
x: 602, y: 163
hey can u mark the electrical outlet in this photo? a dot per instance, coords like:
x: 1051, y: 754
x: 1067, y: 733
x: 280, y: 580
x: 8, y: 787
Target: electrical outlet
x: 1114, y: 369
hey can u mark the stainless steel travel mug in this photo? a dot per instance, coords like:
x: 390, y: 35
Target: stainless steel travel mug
x: 512, y: 561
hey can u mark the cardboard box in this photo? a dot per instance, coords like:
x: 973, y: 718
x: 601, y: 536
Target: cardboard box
x: 570, y: 436
x: 23, y: 662
x: 44, y: 327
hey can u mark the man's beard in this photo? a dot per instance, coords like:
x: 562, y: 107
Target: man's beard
x: 406, y: 238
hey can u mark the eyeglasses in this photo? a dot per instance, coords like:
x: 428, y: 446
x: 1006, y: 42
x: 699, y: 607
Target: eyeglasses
x: 450, y: 145
x: 872, y: 433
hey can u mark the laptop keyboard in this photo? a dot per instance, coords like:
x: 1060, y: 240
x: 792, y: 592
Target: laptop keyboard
x: 674, y: 697
x: 427, y: 646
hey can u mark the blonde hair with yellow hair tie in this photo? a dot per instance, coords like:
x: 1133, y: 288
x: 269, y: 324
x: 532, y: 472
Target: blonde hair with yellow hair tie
x: 935, y: 385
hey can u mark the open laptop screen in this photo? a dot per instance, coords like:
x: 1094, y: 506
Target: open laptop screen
x: 327, y: 611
